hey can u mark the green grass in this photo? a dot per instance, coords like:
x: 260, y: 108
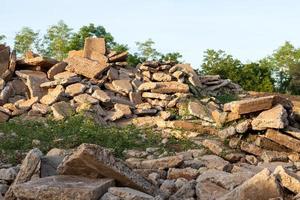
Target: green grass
x: 18, y: 137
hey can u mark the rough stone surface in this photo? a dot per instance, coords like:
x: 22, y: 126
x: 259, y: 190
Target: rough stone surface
x: 122, y: 86
x: 55, y: 69
x: 62, y: 110
x: 268, y: 144
x: 85, y: 98
x: 274, y: 118
x: 185, y: 192
x: 94, y: 161
x: 161, y: 77
x: 27, y: 169
x: 162, y: 163
x: 227, y: 132
x: 207, y: 190
x: 128, y: 193
x: 274, y: 156
x: 75, y: 89
x: 198, y: 110
x: 249, y: 105
x: 283, y: 139
x: 33, y: 80
x: 53, y: 95
x: 63, y: 187
x: 8, y: 174
x: 92, y: 46
x: 101, y: 95
x: 155, y: 96
x: 288, y: 179
x: 171, y: 87
x: 243, y: 126
x: 224, y: 179
x: 85, y: 67
x: 187, y: 173
x: 216, y: 162
x: 251, y: 148
x: 262, y: 186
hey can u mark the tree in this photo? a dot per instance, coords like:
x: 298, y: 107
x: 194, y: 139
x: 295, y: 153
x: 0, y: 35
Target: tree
x: 2, y: 38
x: 254, y: 77
x: 57, y: 41
x: 174, y: 57
x: 220, y: 63
x: 25, y: 39
x: 77, y: 39
x: 294, y: 85
x: 282, y: 61
x: 120, y: 48
x: 146, y: 50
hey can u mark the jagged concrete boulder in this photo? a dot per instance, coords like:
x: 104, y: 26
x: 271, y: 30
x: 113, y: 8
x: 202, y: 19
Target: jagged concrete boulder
x: 94, y: 161
x: 63, y: 187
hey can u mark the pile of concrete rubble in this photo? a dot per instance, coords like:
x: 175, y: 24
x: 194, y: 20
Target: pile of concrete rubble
x: 91, y: 172
x: 246, y: 149
x: 99, y: 83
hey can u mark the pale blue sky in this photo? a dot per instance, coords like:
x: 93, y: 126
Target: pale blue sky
x: 247, y: 29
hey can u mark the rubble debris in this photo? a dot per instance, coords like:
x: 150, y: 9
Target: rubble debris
x: 96, y: 75
x: 64, y: 187
x: 250, y: 137
x: 93, y: 161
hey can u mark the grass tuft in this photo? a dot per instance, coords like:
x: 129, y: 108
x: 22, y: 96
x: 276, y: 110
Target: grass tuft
x: 17, y: 136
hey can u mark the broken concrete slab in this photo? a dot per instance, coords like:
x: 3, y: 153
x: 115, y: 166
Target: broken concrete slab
x: 28, y: 168
x: 33, y: 80
x: 63, y: 187
x: 92, y: 45
x: 274, y: 118
x: 288, y: 179
x: 43, y: 62
x: 198, y: 110
x: 85, y: 67
x: 94, y: 161
x: 85, y: 98
x: 262, y: 186
x: 61, y: 110
x: 122, y: 85
x: 128, y: 193
x: 249, y: 105
x: 282, y: 139
x: 75, y: 89
x: 171, y: 87
x: 55, y: 69
x: 53, y: 95
x: 101, y: 95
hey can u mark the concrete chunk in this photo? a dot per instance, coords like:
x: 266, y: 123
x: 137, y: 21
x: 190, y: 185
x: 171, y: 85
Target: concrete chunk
x: 285, y: 140
x: 289, y: 180
x: 128, y: 193
x: 27, y: 169
x: 85, y: 67
x: 63, y: 187
x: 273, y: 118
x: 262, y: 186
x: 94, y: 161
x: 249, y: 105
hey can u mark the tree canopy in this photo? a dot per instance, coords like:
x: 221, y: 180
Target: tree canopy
x: 25, y: 39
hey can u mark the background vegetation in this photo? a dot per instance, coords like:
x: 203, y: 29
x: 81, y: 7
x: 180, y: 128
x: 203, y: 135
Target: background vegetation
x: 278, y: 72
